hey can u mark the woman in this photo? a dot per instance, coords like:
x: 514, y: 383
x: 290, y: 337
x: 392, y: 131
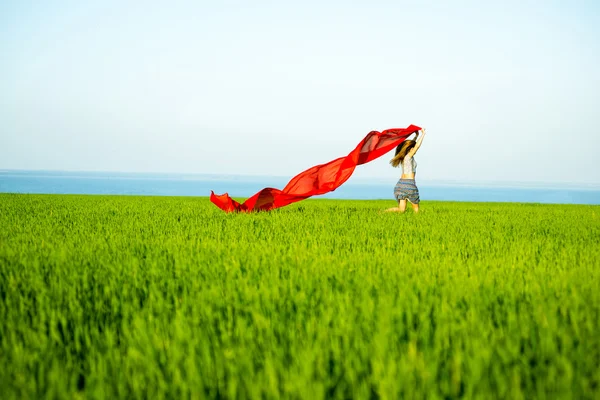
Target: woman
x: 406, y: 189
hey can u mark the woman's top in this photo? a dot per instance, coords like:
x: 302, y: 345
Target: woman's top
x: 409, y: 165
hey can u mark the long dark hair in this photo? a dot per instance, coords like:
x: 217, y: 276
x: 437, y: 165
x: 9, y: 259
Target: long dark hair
x: 401, y: 152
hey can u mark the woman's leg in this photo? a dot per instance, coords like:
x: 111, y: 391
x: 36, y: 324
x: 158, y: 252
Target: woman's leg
x: 402, y: 205
x: 415, y: 199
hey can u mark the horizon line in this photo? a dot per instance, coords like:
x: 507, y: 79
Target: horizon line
x: 362, y: 180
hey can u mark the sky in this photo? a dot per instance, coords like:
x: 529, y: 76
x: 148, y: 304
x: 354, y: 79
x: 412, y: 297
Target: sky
x: 507, y: 90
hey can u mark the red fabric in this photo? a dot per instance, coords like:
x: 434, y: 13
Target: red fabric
x: 319, y: 179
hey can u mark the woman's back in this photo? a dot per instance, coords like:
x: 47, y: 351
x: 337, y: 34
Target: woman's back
x: 409, y: 165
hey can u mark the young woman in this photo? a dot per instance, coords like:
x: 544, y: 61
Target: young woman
x: 406, y: 189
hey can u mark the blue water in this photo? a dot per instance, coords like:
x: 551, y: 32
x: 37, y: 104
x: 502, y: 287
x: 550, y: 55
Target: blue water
x: 52, y: 182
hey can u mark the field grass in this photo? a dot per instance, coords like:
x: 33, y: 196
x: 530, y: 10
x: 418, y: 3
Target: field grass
x: 153, y: 297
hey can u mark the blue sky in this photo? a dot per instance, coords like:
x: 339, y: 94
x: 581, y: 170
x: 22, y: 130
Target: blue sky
x: 508, y: 90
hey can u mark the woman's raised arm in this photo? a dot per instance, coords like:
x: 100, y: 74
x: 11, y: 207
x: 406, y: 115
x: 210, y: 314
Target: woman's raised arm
x: 413, y: 151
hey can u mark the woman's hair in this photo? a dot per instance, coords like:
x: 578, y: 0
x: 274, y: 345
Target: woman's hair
x: 401, y: 152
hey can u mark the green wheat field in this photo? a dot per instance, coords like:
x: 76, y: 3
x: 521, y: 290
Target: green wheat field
x: 169, y: 297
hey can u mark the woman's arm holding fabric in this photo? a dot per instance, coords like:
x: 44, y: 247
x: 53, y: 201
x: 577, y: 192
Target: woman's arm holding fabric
x: 413, y: 151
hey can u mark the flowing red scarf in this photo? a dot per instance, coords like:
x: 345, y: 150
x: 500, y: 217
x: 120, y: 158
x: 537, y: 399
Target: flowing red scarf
x: 319, y: 179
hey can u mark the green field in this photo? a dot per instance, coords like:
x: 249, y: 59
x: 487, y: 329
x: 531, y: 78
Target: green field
x: 153, y: 297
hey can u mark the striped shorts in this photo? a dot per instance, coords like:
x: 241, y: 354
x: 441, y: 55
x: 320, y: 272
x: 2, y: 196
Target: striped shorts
x: 407, y: 189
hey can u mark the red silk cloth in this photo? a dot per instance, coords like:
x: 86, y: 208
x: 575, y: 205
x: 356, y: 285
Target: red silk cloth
x: 319, y: 179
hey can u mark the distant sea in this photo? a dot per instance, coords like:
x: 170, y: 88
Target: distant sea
x: 112, y: 183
